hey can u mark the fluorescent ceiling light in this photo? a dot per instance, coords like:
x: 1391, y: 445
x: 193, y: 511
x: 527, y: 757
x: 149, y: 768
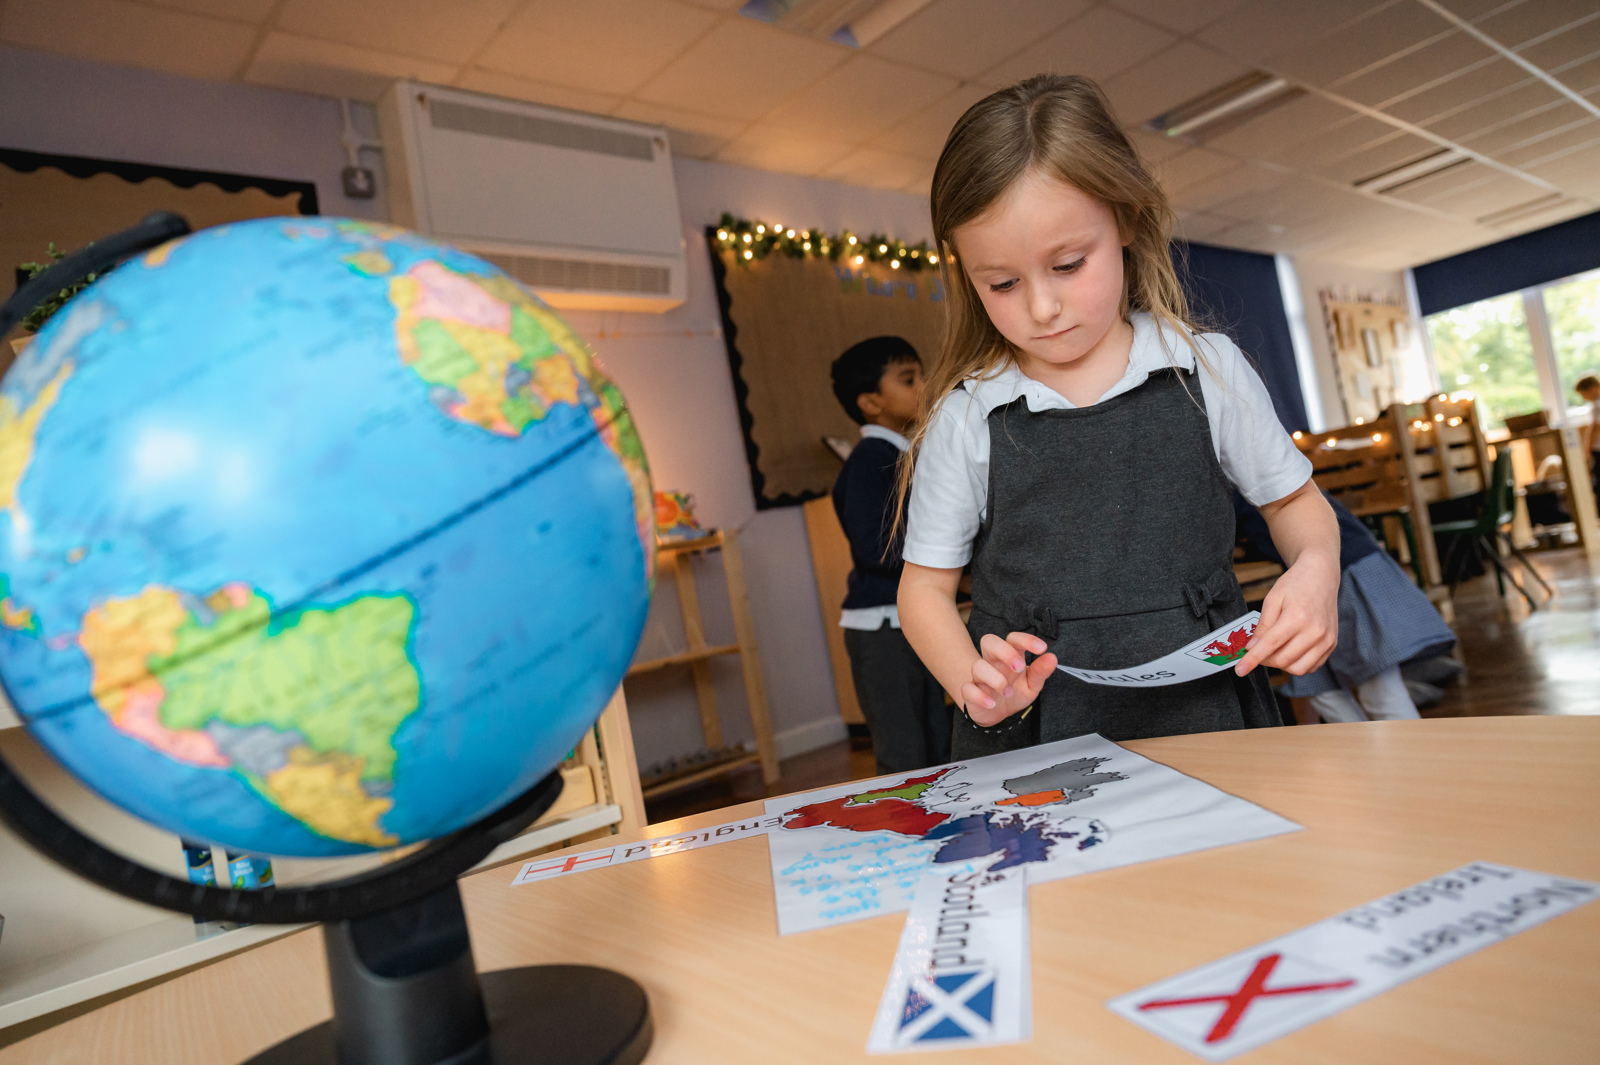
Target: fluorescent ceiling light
x: 1433, y: 163
x: 856, y: 23
x: 1226, y: 106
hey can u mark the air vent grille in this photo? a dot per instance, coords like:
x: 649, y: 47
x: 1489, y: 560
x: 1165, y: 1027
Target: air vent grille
x: 585, y: 274
x: 534, y: 129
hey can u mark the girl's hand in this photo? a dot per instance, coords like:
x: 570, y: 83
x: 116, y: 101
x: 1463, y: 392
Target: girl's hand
x: 1002, y: 682
x: 1299, y: 619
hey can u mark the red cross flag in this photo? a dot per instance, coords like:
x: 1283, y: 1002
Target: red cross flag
x: 1257, y: 995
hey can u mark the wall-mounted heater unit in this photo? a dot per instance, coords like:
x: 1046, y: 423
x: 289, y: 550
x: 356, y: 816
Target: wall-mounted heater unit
x: 581, y: 209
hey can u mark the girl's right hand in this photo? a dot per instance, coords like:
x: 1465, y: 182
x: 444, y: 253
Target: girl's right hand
x: 1002, y: 683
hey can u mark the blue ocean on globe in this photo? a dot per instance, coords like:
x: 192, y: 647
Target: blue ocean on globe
x: 316, y: 537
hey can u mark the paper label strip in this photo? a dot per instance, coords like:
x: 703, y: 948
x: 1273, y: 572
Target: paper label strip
x: 1211, y: 653
x: 961, y: 976
x: 551, y: 866
x: 1243, y: 1001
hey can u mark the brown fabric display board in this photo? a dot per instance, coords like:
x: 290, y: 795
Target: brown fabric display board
x: 784, y: 321
x: 69, y: 201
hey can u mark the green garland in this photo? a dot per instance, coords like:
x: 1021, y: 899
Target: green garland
x: 750, y: 241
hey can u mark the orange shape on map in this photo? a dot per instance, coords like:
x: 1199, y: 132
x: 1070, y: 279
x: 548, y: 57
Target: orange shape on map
x: 1034, y: 798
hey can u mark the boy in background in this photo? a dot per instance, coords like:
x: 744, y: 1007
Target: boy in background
x: 879, y: 384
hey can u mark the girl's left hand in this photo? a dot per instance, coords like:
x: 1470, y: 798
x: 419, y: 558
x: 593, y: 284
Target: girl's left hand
x: 1299, y: 624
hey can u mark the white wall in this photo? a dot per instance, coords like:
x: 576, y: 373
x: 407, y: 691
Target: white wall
x: 674, y: 370
x: 1347, y: 282
x: 672, y: 367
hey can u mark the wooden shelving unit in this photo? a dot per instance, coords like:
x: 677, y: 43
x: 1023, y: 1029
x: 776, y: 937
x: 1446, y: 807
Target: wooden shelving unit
x: 671, y: 563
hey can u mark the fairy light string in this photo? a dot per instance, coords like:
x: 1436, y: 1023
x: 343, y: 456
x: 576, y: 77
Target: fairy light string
x: 750, y: 241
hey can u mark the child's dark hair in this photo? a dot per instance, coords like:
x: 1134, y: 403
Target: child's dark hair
x: 861, y: 368
x: 1585, y: 383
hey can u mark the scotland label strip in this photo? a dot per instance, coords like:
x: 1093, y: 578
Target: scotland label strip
x: 554, y: 865
x: 1211, y: 653
x: 1257, y: 995
x: 961, y: 976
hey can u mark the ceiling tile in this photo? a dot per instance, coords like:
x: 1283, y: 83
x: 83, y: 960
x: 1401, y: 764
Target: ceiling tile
x: 1503, y: 194
x: 1192, y: 166
x: 600, y: 45
x: 741, y: 69
x: 924, y: 133
x: 1243, y: 181
x: 450, y: 33
x: 115, y: 32
x: 1389, y: 152
x: 965, y: 37
x: 1102, y: 43
x: 1552, y: 144
x: 687, y: 144
x: 782, y: 150
x: 498, y: 84
x: 1453, y: 95
x: 1519, y: 25
x: 1577, y: 173
x: 1263, y: 28
x: 1366, y: 42
x: 1582, y: 76
x: 1168, y: 79
x: 1181, y: 16
x: 253, y: 11
x: 305, y: 65
x: 875, y: 169
x: 859, y: 98
x: 1348, y: 135
x: 719, y: 5
x: 1280, y: 127
x: 1576, y: 44
x: 677, y: 118
x: 1195, y: 227
x: 1496, y: 110
x: 1443, y: 61
x: 1513, y: 135
x: 1297, y: 200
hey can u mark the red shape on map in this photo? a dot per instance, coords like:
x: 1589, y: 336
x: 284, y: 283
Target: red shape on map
x: 1254, y: 987
x: 892, y: 815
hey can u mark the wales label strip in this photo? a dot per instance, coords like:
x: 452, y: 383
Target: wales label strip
x: 551, y: 866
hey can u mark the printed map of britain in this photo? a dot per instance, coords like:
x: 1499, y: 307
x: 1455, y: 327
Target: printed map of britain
x: 1025, y: 827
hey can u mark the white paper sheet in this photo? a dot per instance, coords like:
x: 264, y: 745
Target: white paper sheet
x: 1255, y: 996
x: 961, y: 976
x: 1056, y: 810
x: 1211, y: 653
x: 554, y: 865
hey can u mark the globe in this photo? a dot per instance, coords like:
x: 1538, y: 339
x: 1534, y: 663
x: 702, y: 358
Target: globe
x: 319, y: 537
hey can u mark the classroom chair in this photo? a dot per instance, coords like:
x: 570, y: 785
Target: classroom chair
x: 1481, y: 538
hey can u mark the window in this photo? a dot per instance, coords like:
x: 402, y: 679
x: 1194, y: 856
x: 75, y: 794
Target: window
x: 1573, y: 308
x: 1484, y: 348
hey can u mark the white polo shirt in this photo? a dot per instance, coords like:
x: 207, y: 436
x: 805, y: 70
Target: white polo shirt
x: 951, y: 488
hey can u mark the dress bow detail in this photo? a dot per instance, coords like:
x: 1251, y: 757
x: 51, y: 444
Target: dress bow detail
x: 1217, y: 588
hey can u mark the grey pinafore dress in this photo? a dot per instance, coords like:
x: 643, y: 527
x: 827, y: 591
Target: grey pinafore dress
x: 1109, y: 534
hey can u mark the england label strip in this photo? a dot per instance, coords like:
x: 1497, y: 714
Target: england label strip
x: 961, y: 976
x: 1243, y: 1001
x: 552, y: 866
x: 1211, y: 653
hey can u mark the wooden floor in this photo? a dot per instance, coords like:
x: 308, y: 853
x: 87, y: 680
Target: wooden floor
x: 1545, y: 661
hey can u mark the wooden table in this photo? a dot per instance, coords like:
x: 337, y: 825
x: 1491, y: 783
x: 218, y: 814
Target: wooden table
x: 1385, y: 805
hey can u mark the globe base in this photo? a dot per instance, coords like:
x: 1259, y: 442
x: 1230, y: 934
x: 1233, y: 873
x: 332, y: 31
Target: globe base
x: 573, y: 1014
x: 406, y: 992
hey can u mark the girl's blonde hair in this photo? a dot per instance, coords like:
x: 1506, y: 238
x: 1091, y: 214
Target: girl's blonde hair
x: 1061, y: 126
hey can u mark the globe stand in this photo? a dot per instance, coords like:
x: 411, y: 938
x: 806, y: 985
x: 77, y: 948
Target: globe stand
x: 406, y: 992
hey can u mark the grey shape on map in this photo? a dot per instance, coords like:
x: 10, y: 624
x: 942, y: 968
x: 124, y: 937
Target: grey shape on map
x: 1075, y: 779
x: 257, y: 749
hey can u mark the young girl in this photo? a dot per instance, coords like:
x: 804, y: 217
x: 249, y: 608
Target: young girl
x: 1079, y: 444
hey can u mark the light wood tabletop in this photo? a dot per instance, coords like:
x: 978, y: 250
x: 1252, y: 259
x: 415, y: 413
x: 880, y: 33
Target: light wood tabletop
x: 1385, y: 805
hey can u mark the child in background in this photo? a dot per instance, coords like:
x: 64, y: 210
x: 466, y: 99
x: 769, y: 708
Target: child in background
x: 1588, y: 387
x: 1384, y: 620
x: 879, y: 384
x: 1079, y: 444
